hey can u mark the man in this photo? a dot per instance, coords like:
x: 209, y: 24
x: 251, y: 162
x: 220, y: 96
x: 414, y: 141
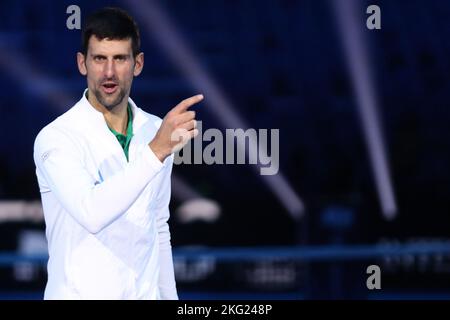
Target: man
x: 103, y: 169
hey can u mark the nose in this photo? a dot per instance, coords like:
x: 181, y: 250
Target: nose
x: 110, y: 69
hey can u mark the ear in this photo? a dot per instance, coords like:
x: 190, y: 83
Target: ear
x: 139, y: 64
x: 81, y: 61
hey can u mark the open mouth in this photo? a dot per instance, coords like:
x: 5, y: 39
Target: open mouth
x: 109, y: 87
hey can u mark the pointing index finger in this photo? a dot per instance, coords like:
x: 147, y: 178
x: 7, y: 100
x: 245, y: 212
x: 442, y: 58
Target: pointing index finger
x: 186, y: 103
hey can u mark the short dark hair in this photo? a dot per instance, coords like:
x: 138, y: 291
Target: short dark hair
x: 111, y: 23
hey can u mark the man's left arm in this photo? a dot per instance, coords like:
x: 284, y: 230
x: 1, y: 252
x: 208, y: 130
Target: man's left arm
x: 166, y: 281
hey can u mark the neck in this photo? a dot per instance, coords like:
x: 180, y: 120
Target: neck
x: 116, y: 118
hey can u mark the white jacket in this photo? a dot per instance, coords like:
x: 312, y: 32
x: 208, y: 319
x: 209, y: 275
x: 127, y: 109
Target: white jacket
x: 106, y: 218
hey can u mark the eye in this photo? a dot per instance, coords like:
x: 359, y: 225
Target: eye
x: 99, y: 58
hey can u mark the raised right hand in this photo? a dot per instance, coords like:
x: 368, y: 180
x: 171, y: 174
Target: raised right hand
x: 178, y: 127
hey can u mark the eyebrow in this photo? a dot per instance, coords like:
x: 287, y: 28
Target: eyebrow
x: 117, y: 56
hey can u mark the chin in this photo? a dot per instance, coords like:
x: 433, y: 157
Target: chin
x: 111, y: 101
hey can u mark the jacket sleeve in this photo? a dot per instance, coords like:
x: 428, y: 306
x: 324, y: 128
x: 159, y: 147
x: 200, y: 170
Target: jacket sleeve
x: 166, y: 282
x: 59, y: 165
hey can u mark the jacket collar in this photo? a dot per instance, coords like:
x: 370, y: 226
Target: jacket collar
x: 139, y: 117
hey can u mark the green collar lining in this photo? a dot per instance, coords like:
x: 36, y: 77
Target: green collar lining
x: 125, y: 140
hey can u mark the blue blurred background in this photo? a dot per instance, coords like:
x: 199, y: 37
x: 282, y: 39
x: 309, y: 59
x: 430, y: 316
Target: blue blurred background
x: 364, y: 145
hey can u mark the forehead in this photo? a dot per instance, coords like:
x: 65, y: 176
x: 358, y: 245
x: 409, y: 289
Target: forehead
x: 107, y: 46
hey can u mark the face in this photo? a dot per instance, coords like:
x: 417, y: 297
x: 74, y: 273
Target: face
x: 110, y: 67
